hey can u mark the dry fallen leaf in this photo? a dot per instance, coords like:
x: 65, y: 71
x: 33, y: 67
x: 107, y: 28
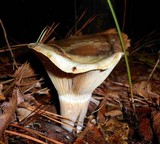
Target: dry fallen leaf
x: 145, y: 129
x: 156, y: 124
x: 2, y: 97
x: 141, y: 89
x: 91, y: 135
x: 8, y: 109
x: 113, y: 113
x: 115, y: 132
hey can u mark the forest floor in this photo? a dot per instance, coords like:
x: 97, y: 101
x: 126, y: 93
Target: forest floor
x: 29, y: 109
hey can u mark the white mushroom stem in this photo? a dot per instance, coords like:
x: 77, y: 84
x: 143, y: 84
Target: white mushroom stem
x: 74, y: 108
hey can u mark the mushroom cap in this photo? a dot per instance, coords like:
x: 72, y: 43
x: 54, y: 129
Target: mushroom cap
x: 78, y: 54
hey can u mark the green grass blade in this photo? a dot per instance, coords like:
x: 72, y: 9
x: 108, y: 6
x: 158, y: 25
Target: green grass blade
x: 124, y: 50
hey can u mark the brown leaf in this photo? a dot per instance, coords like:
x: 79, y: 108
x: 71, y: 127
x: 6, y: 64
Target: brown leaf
x: 90, y: 135
x: 156, y: 124
x: 101, y: 111
x: 23, y: 113
x: 2, y: 97
x: 141, y: 89
x: 115, y: 132
x: 145, y: 90
x: 20, y: 97
x: 8, y: 109
x: 113, y: 113
x: 145, y: 129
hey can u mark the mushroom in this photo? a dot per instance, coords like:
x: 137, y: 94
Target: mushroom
x: 77, y: 66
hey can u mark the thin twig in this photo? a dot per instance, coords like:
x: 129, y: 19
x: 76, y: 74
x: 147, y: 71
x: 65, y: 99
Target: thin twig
x: 124, y: 14
x: 50, y: 116
x: 76, y: 23
x: 25, y: 136
x: 37, y: 133
x: 49, y: 32
x: 88, y: 22
x: 5, y: 36
x: 152, y: 72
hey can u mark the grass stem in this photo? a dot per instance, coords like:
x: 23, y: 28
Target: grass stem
x: 125, y: 55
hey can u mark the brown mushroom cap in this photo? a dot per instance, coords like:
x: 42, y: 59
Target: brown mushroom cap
x: 79, y: 54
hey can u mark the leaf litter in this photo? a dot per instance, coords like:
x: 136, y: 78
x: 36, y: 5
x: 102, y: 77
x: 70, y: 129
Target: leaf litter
x: 29, y: 114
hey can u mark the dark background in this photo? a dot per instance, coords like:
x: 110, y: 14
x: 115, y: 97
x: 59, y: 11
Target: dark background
x: 25, y: 19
